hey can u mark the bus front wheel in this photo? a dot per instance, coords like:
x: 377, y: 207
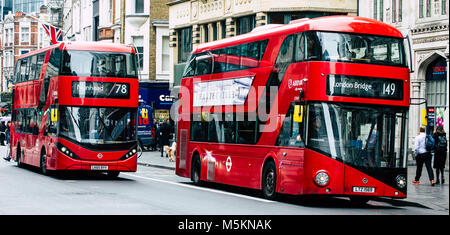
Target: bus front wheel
x: 269, y: 180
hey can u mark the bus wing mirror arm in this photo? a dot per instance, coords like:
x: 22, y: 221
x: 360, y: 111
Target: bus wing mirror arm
x: 411, y: 69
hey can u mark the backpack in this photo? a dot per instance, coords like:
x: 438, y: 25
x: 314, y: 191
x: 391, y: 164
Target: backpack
x: 429, y: 143
x: 441, y: 144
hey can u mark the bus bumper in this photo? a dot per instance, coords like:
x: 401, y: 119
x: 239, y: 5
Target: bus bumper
x: 64, y: 162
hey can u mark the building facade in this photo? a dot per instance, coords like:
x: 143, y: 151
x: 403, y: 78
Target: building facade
x: 425, y: 22
x: 141, y: 23
x: 20, y: 34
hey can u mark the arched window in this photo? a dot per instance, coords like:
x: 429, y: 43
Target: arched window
x: 436, y: 78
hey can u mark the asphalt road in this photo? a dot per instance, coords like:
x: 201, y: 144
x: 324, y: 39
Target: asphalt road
x: 156, y: 191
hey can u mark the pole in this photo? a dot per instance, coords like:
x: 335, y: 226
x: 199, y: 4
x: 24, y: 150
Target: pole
x: 122, y: 21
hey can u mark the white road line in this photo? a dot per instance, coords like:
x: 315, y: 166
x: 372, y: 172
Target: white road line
x: 200, y: 188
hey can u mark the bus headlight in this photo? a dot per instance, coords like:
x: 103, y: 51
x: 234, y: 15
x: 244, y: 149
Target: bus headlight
x: 321, y: 178
x: 63, y: 149
x: 130, y: 153
x: 401, y: 181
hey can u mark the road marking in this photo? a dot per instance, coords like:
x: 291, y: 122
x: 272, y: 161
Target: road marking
x: 200, y: 188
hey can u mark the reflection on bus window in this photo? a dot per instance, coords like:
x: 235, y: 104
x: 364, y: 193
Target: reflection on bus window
x: 370, y: 49
x: 99, y: 64
x: 94, y: 125
x: 359, y: 136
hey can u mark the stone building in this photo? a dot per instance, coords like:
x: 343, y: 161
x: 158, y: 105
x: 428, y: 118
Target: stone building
x: 192, y: 22
x: 21, y: 34
x: 138, y: 22
x: 425, y: 22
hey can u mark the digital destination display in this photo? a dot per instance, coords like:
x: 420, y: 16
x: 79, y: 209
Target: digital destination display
x: 364, y: 87
x: 110, y: 90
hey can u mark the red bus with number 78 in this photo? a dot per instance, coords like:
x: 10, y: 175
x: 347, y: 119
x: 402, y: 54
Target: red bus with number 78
x: 75, y: 108
x: 317, y: 106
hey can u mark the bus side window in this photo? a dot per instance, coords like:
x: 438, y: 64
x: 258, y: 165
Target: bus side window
x: 17, y: 72
x: 285, y: 55
x: 312, y: 46
x: 292, y: 130
x: 23, y: 70
x: 300, y: 47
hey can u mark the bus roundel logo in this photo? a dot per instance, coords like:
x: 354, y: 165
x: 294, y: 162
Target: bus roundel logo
x: 228, y: 164
x: 100, y: 155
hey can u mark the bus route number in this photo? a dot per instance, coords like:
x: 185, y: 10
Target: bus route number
x: 389, y: 89
x: 121, y: 89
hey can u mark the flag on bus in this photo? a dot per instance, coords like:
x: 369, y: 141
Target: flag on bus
x: 54, y: 33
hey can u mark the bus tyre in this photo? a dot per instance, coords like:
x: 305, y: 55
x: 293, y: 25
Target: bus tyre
x: 19, y: 157
x: 269, y: 180
x: 196, y: 170
x: 43, y: 163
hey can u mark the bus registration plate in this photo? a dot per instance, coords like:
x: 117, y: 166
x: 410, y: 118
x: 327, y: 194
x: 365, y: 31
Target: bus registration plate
x: 98, y: 167
x: 363, y: 189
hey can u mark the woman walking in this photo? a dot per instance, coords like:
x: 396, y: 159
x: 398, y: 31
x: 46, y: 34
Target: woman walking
x: 440, y: 153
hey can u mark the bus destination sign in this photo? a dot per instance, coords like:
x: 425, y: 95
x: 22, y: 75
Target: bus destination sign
x: 110, y: 90
x: 364, y: 87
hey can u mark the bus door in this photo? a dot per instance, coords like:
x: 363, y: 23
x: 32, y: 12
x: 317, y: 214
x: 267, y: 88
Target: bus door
x: 291, y: 151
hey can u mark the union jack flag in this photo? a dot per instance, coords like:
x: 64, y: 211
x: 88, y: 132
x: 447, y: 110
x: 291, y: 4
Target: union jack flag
x: 54, y: 33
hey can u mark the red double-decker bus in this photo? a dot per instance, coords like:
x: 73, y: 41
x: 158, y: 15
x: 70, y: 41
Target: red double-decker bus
x: 317, y: 106
x: 75, y: 108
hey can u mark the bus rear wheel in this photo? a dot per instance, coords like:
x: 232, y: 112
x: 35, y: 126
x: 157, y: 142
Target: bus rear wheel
x: 19, y: 157
x: 196, y: 170
x: 43, y: 163
x: 269, y: 181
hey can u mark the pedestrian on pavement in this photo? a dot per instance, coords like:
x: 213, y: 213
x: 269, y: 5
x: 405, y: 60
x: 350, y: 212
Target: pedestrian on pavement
x: 440, y: 153
x: 165, y: 131
x: 422, y: 156
x: 8, y: 157
x: 8, y: 129
x: 2, y: 133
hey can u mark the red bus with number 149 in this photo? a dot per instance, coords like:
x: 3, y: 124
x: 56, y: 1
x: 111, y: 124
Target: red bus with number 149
x: 317, y: 106
x: 75, y: 108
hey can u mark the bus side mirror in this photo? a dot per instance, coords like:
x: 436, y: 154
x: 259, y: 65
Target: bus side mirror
x: 409, y: 51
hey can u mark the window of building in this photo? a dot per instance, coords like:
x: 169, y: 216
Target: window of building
x: 394, y: 11
x: 25, y: 34
x: 375, y: 9
x: 245, y: 24
x: 165, y: 54
x: 381, y: 10
x: 139, y: 6
x: 184, y: 44
x: 205, y: 32
x: 436, y: 83
x: 428, y: 8
x: 444, y: 7
x: 421, y: 8
x: 139, y: 44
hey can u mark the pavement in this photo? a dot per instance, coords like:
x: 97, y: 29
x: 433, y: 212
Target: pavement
x: 154, y: 159
x: 424, y: 195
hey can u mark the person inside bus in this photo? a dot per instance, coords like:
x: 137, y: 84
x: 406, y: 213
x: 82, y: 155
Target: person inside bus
x: 316, y: 129
x: 311, y: 48
x: 102, y: 68
x: 371, y: 147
